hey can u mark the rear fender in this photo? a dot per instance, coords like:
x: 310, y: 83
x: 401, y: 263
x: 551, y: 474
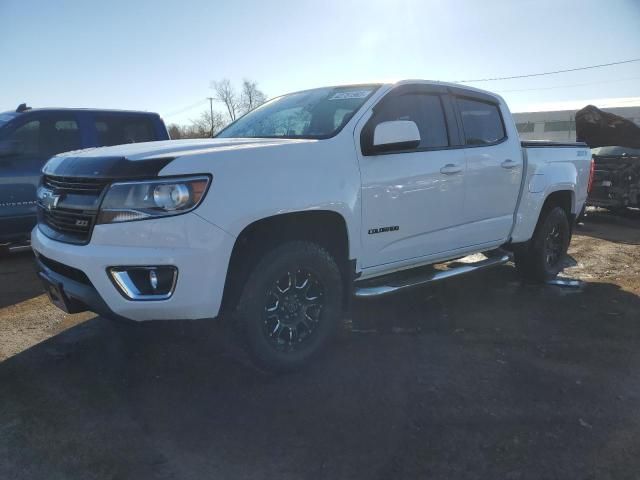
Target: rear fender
x: 540, y: 184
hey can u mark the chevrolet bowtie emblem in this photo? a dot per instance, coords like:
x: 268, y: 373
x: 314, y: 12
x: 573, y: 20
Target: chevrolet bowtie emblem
x: 49, y: 199
x: 53, y: 202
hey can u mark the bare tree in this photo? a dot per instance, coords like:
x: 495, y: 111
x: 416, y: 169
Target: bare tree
x: 203, y: 126
x: 175, y: 132
x: 251, y: 96
x: 200, y: 127
x: 210, y: 122
x: 227, y: 95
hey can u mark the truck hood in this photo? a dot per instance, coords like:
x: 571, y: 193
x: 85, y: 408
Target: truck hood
x: 139, y: 160
x: 177, y: 148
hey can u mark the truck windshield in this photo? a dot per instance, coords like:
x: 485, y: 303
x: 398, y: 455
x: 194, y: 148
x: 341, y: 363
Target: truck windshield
x: 5, y: 117
x: 318, y: 113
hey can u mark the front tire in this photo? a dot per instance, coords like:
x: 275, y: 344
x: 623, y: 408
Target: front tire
x: 543, y: 258
x: 291, y: 305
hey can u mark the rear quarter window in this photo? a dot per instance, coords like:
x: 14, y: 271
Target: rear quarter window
x: 121, y: 129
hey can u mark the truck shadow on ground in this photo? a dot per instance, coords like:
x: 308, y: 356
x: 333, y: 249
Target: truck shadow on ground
x: 481, y: 377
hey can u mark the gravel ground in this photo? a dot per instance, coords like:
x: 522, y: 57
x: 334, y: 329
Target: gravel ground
x: 475, y: 377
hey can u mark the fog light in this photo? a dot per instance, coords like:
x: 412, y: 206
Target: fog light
x: 144, y: 283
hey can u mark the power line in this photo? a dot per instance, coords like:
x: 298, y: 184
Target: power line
x: 589, y: 67
x: 184, y: 109
x: 550, y: 73
x: 568, y: 86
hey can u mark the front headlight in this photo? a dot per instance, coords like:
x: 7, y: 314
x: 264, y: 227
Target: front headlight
x: 128, y: 201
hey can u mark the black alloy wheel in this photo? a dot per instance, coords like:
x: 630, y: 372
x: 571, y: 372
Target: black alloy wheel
x: 293, y: 309
x: 291, y: 305
x: 542, y: 258
x: 553, y: 245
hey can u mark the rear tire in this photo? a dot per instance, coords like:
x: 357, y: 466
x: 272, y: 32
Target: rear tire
x: 290, y: 306
x: 542, y: 259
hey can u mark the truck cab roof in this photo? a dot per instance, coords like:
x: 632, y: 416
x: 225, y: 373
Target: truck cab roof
x: 15, y: 113
x: 12, y: 118
x: 22, y: 110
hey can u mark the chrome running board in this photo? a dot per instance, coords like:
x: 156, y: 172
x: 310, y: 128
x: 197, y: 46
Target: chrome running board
x: 405, y: 279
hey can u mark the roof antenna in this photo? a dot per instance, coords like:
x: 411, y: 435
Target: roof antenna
x: 22, y: 108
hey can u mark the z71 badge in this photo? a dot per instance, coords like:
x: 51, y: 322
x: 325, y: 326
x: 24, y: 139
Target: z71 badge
x: 383, y: 229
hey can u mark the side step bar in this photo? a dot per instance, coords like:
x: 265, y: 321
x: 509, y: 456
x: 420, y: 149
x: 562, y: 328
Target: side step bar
x: 411, y: 278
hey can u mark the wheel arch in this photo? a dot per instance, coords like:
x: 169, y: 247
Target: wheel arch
x: 533, y: 206
x: 561, y: 197
x: 326, y: 228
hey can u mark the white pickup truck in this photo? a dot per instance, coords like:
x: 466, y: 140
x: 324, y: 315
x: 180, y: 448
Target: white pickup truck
x: 307, y: 201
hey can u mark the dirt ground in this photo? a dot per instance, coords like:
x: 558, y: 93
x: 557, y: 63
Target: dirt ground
x: 475, y: 377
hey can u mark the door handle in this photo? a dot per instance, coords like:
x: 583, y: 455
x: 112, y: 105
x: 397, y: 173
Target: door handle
x: 508, y: 163
x: 450, y: 169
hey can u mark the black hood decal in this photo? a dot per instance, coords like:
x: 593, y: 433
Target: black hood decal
x: 112, y: 168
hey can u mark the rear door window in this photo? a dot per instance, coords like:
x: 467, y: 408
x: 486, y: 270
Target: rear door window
x: 481, y: 121
x: 121, y: 129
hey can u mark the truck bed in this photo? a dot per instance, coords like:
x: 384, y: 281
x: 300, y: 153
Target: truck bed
x: 545, y: 143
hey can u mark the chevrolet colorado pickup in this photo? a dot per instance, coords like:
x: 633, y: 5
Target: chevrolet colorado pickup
x: 303, y: 203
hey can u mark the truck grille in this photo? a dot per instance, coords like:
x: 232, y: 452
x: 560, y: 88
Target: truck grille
x: 75, y: 185
x: 71, y: 217
x: 69, y: 221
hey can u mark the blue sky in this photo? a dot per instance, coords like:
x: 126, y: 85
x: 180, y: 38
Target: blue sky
x: 161, y: 55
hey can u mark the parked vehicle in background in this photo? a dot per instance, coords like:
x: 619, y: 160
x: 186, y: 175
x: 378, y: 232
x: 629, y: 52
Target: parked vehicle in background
x: 615, y: 143
x: 309, y: 199
x: 616, y: 182
x: 29, y: 137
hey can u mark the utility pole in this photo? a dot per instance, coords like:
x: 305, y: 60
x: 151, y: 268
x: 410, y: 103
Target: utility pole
x: 211, y: 110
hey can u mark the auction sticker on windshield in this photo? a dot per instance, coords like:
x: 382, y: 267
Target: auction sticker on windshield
x: 349, y: 95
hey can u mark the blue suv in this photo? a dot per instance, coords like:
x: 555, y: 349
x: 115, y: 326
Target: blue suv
x: 29, y: 137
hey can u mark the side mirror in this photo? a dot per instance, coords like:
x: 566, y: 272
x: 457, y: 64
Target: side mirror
x: 395, y: 135
x: 8, y: 147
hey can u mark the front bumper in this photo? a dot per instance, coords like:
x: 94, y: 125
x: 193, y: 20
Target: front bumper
x: 198, y: 249
x: 70, y: 294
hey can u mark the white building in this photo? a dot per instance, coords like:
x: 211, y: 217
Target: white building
x: 560, y: 125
